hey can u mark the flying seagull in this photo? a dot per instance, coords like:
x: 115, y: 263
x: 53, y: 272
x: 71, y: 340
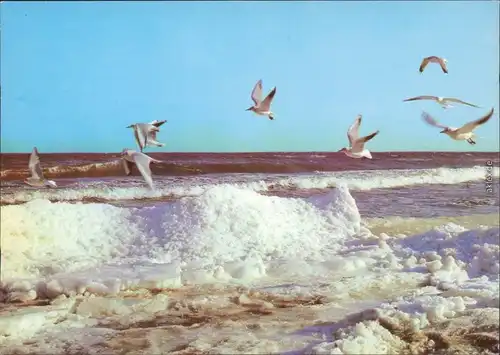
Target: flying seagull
x: 262, y: 108
x: 142, y: 162
x: 145, y: 133
x: 36, y: 179
x: 356, y: 147
x: 462, y: 133
x: 443, y: 101
x: 433, y: 59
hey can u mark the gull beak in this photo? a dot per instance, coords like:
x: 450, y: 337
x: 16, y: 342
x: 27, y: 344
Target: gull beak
x: 248, y: 109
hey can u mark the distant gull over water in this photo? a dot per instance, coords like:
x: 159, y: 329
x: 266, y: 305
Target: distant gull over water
x: 433, y: 59
x: 145, y: 133
x: 142, y: 162
x: 262, y: 108
x: 36, y: 179
x: 356, y: 147
x: 443, y: 101
x: 462, y: 133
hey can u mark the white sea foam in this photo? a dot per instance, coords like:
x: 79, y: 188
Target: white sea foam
x: 226, y: 233
x: 227, y: 223
x: 463, y: 263
x: 41, y: 237
x: 222, y: 232
x: 232, y: 235
x: 193, y: 186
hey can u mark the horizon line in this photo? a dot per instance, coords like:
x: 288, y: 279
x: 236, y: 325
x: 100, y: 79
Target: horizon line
x: 264, y: 152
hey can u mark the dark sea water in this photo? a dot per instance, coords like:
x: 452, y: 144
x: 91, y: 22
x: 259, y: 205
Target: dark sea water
x: 73, y: 165
x: 409, y: 184
x: 301, y: 227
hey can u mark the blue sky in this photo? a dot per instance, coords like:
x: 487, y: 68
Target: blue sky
x: 74, y: 75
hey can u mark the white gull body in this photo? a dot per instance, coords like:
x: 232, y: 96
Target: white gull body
x: 459, y: 134
x: 356, y: 147
x: 141, y: 161
x: 36, y: 179
x: 145, y: 133
x: 262, y: 107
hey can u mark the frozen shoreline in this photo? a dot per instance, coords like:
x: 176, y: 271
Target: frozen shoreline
x: 234, y: 271
x: 428, y: 305
x: 214, y: 320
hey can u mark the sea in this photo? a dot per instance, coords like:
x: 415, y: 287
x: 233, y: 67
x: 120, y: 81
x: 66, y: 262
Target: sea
x: 252, y: 253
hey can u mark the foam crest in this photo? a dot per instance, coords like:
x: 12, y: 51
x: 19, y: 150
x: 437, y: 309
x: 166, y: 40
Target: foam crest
x: 226, y: 224
x: 380, y: 179
x: 225, y: 234
x: 193, y: 186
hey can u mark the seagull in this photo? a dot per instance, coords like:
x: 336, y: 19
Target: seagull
x: 357, y: 145
x: 433, y: 59
x: 36, y: 179
x: 142, y: 162
x: 262, y: 108
x: 145, y: 133
x: 443, y: 101
x: 462, y: 133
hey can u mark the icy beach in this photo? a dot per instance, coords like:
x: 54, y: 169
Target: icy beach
x: 235, y: 270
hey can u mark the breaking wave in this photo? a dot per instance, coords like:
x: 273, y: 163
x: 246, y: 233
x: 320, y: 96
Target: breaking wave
x: 81, y: 165
x: 222, y: 227
x: 168, y: 187
x: 227, y: 234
